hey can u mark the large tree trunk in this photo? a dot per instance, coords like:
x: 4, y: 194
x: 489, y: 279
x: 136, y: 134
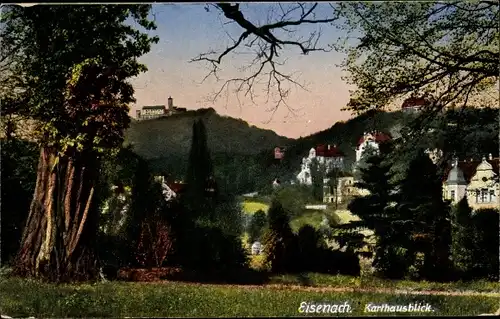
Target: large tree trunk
x: 59, y: 236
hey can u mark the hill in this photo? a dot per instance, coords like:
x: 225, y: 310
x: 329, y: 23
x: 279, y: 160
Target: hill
x: 165, y: 142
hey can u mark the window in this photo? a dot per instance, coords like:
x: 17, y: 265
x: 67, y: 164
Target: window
x: 477, y: 196
x: 484, y: 195
x: 492, y: 196
x: 452, y: 195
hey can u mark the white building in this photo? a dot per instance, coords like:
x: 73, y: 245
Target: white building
x: 478, y: 180
x: 156, y: 111
x: 370, y: 140
x: 170, y: 190
x: 328, y: 156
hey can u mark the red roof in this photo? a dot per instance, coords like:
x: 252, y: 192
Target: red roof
x: 469, y: 168
x: 328, y: 151
x: 177, y: 187
x: 414, y: 102
x: 378, y: 136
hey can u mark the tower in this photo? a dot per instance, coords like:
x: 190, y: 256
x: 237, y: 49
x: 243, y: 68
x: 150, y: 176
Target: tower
x: 455, y: 185
x: 170, y: 103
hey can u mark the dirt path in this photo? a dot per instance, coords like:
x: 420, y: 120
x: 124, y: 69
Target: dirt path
x: 356, y: 289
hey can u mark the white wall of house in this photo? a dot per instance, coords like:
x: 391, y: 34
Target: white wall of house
x: 304, y: 176
x: 368, y: 142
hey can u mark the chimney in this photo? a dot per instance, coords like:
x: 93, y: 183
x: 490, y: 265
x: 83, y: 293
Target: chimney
x: 490, y: 157
x: 170, y: 103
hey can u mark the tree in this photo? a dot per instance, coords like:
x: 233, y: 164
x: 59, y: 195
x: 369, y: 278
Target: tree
x: 308, y: 242
x: 278, y: 240
x: 377, y: 214
x: 462, y: 237
x: 317, y: 177
x: 333, y: 183
x: 75, y: 61
x: 257, y: 225
x: 421, y: 209
x: 449, y: 50
x: 200, y: 169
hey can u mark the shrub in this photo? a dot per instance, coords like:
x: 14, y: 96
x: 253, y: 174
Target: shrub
x: 486, y: 243
x: 308, y: 241
x: 209, y: 250
x: 337, y: 262
x: 155, y: 243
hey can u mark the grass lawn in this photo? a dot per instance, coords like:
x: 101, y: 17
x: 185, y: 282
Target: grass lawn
x: 372, y: 282
x: 23, y: 298
x: 251, y: 207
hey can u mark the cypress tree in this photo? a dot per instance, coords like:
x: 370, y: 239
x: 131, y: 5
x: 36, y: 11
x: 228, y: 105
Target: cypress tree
x: 462, y: 238
x: 278, y: 239
x: 376, y: 214
x: 425, y: 216
x: 199, y: 170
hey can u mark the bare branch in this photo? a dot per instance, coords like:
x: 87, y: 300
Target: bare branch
x: 266, y: 46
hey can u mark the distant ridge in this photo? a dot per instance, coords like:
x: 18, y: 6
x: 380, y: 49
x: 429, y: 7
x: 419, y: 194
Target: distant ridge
x: 162, y: 137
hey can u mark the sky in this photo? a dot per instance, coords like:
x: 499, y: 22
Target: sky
x: 187, y: 30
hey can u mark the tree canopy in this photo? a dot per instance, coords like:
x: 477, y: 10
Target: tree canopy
x: 73, y: 65
x: 445, y: 50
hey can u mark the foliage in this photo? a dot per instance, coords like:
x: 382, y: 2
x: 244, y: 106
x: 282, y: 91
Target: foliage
x: 60, y: 98
x: 208, y: 250
x: 462, y: 237
x: 256, y: 226
x: 486, y: 253
x: 279, y: 240
x: 155, y: 243
x: 425, y: 217
x: 376, y: 214
x: 293, y: 198
x: 308, y: 244
x: 447, y: 50
x: 318, y: 171
x: 81, y: 95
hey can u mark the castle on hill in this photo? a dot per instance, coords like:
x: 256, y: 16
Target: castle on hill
x: 156, y: 111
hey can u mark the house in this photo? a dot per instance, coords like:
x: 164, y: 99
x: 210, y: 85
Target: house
x: 170, y: 190
x: 370, y: 140
x: 478, y: 180
x: 256, y: 248
x: 414, y: 104
x: 279, y: 153
x: 328, y: 155
x: 345, y: 189
x: 156, y: 111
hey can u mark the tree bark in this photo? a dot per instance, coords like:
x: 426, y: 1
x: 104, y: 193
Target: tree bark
x: 59, y: 236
